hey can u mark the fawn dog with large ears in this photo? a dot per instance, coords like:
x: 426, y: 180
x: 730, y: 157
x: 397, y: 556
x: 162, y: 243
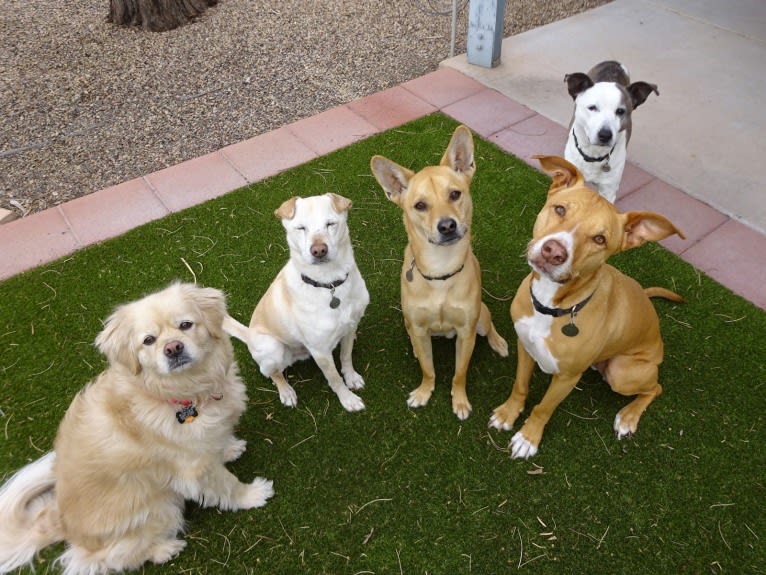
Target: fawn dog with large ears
x: 441, y: 277
x: 574, y: 310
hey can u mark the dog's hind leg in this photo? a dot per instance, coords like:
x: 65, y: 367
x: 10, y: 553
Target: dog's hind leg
x: 348, y: 399
x: 486, y: 328
x: 287, y: 394
x: 351, y: 377
x: 627, y: 376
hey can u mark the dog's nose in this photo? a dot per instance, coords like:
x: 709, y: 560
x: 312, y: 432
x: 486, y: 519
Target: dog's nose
x: 604, y: 135
x: 174, y: 348
x: 554, y: 252
x: 319, y: 250
x: 447, y: 226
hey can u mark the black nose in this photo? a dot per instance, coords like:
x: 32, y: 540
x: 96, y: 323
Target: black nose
x: 447, y: 226
x: 174, y: 348
x: 604, y: 136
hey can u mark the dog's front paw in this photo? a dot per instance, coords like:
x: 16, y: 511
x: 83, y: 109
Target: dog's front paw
x: 420, y: 396
x: 287, y: 396
x: 351, y: 401
x: 521, y: 447
x: 353, y: 380
x: 234, y: 449
x: 257, y: 493
x: 503, y: 417
x: 166, y: 550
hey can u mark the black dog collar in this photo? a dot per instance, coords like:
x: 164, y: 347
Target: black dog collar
x: 570, y: 329
x: 408, y: 274
x: 334, y: 301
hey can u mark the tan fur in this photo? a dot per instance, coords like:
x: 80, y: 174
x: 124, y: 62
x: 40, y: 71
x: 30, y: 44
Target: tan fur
x: 434, y: 197
x: 619, y: 329
x: 122, y: 463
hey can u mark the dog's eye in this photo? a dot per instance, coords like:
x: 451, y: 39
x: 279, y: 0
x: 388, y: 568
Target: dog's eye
x: 149, y: 340
x: 454, y: 195
x: 593, y: 108
x: 560, y: 210
x: 331, y: 224
x: 421, y: 206
x: 599, y: 239
x: 301, y: 228
x: 185, y: 325
x: 620, y: 112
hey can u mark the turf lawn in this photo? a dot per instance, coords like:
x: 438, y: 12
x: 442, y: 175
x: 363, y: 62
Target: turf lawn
x: 393, y: 490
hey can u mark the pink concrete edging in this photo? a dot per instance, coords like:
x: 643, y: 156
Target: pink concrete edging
x: 725, y: 249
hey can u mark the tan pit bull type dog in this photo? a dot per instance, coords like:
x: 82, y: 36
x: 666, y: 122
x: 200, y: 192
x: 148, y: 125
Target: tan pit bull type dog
x: 441, y: 277
x: 575, y: 311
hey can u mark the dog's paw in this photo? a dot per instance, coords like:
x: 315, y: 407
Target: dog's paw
x: 234, y: 449
x: 462, y: 408
x: 257, y: 493
x: 353, y: 380
x: 499, y: 345
x: 351, y: 401
x: 287, y: 396
x: 624, y: 428
x: 419, y: 397
x: 503, y: 417
x: 166, y: 550
x: 521, y: 447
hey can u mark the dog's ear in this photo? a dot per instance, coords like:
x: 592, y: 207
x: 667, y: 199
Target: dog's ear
x: 212, y: 305
x: 577, y: 83
x: 339, y: 203
x: 392, y: 177
x: 640, y: 227
x: 287, y: 210
x: 639, y: 92
x: 459, y: 153
x: 116, y: 340
x: 563, y: 173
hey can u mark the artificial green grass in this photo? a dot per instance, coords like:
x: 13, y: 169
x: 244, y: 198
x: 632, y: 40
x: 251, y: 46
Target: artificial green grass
x: 393, y: 490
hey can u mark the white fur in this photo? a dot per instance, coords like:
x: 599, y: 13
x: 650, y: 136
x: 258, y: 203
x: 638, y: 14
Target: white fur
x: 294, y: 320
x: 605, y: 98
x: 521, y: 448
x: 533, y: 331
x: 114, y: 487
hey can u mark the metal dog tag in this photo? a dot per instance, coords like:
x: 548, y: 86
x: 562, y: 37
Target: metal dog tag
x: 606, y: 167
x: 408, y: 275
x: 334, y: 301
x: 570, y: 330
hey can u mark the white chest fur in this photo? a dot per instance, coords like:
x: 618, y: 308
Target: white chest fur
x: 533, y: 331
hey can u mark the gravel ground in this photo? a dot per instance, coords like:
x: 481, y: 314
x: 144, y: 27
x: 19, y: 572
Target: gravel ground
x: 86, y: 105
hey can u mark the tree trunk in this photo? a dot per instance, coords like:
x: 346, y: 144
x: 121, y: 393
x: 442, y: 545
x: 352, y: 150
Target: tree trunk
x: 156, y: 15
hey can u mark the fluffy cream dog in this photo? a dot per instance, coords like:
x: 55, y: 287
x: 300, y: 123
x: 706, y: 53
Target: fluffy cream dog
x: 152, y: 430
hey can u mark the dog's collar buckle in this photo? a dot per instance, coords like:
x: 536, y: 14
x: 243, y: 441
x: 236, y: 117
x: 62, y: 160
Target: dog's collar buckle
x: 410, y: 276
x: 568, y: 329
x: 334, y: 301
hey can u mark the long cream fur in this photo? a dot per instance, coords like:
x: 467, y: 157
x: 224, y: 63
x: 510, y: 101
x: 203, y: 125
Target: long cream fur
x: 113, y: 487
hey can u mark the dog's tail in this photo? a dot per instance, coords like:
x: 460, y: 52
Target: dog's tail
x: 28, y: 515
x: 235, y: 329
x: 664, y: 293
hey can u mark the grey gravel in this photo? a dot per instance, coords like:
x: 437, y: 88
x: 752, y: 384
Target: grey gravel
x: 86, y: 105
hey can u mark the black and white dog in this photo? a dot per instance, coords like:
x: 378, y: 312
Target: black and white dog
x: 600, y: 127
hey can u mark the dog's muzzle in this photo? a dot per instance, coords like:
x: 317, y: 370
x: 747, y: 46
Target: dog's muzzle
x: 551, y: 259
x: 176, y: 354
x: 449, y: 232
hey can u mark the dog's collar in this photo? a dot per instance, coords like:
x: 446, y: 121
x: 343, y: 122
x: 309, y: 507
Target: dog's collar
x: 408, y: 274
x: 588, y: 158
x: 186, y: 411
x: 570, y: 329
x: 334, y: 301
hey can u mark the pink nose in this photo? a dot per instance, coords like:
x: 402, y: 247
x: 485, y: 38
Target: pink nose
x: 174, y: 348
x: 554, y: 252
x: 319, y: 250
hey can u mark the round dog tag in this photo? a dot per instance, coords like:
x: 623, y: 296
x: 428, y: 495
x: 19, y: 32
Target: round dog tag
x: 408, y: 275
x: 570, y: 330
x: 334, y: 302
x: 606, y: 167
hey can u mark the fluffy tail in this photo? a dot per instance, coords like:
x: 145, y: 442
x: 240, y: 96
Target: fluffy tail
x: 28, y: 516
x: 664, y: 293
x: 235, y: 329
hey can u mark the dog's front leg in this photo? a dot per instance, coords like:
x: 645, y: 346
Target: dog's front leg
x: 350, y: 375
x: 219, y: 487
x: 466, y: 341
x: 504, y: 416
x: 348, y: 399
x: 526, y: 441
x: 421, y: 347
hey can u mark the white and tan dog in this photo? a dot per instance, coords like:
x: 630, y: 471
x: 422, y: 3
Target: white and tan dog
x: 152, y: 430
x: 575, y: 311
x: 441, y: 277
x: 315, y: 302
x: 599, y: 132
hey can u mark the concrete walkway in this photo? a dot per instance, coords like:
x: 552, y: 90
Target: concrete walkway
x: 718, y: 242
